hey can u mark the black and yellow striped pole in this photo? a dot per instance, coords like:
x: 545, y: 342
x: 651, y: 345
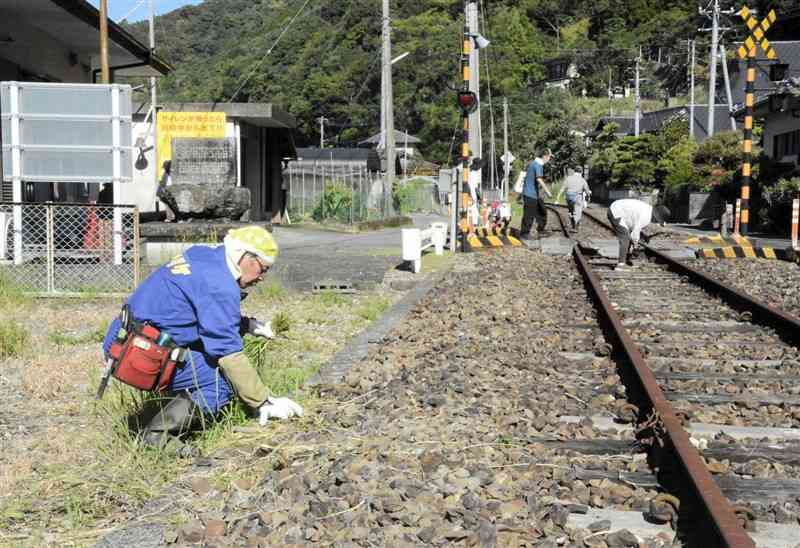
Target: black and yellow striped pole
x: 748, y: 50
x: 468, y: 102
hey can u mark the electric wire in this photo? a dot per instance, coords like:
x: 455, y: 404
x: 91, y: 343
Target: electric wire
x: 269, y: 51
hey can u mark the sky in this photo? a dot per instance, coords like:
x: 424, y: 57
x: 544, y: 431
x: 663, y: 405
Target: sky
x: 120, y: 8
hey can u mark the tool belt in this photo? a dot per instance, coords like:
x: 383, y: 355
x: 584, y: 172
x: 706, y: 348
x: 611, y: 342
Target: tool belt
x: 144, y: 356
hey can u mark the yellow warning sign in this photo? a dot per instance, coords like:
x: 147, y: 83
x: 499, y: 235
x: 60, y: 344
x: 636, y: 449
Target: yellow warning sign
x: 201, y: 125
x: 758, y: 29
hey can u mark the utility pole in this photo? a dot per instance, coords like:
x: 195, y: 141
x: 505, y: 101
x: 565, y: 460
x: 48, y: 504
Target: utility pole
x: 691, y: 92
x: 713, y: 12
x: 475, y: 134
x: 104, y: 70
x: 387, y: 100
x: 712, y: 75
x: 322, y: 121
x: 153, y: 89
x: 724, y: 58
x: 506, y: 163
x: 638, y: 113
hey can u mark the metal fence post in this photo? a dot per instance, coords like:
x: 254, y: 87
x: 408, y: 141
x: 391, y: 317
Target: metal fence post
x: 50, y: 248
x: 136, y: 249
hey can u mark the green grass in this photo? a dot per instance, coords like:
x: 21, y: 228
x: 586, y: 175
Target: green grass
x: 14, y: 339
x: 11, y: 293
x: 271, y: 289
x: 373, y: 308
x: 332, y: 298
x: 68, y: 339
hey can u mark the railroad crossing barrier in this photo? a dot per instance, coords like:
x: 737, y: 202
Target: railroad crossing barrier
x: 491, y: 238
x: 415, y: 240
x: 733, y: 240
x: 745, y: 252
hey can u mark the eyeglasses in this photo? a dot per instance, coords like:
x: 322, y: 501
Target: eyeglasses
x: 263, y: 267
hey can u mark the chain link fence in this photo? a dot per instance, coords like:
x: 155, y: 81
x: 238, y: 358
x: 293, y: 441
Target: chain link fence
x: 337, y: 193
x: 58, y: 249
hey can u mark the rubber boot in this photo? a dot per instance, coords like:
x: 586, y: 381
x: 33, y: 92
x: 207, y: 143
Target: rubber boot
x: 173, y: 420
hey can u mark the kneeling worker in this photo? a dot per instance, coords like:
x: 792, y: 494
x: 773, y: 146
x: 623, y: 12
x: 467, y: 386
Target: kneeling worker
x: 189, y: 310
x: 628, y: 218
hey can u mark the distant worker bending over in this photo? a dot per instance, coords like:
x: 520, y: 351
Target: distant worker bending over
x: 629, y: 217
x: 532, y: 199
x: 189, y: 310
x: 578, y: 193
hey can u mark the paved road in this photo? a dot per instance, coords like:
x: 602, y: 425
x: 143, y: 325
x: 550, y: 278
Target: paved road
x: 310, y: 257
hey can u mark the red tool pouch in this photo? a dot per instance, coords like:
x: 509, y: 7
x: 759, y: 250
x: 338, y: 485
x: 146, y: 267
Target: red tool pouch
x: 143, y: 363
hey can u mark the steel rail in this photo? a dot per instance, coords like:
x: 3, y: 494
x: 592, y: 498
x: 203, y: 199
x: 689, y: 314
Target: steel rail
x: 729, y: 531
x: 787, y: 325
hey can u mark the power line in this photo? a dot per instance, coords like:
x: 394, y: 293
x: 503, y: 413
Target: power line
x: 264, y: 58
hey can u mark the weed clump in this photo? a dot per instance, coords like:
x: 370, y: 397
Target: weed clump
x: 14, y: 339
x: 281, y: 323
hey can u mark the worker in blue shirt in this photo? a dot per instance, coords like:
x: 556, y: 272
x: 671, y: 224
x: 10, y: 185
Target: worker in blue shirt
x: 195, y: 299
x: 532, y: 200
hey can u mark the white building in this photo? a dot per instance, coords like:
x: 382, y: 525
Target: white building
x: 59, y: 41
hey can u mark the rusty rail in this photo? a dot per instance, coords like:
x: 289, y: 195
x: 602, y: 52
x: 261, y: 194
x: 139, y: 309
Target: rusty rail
x: 652, y: 402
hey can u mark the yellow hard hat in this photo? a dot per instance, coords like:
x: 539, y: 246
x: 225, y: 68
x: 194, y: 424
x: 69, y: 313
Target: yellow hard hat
x: 256, y: 240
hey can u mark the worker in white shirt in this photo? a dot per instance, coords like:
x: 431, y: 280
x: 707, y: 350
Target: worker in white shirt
x: 629, y: 217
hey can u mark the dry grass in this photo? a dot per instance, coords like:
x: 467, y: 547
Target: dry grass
x: 79, y: 468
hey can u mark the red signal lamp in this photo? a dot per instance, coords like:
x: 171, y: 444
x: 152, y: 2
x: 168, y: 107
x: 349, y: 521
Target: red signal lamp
x: 467, y: 101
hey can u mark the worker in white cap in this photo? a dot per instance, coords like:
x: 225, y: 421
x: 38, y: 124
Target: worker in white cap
x: 194, y: 301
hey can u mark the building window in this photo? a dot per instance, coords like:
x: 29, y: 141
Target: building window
x: 786, y: 144
x: 557, y: 71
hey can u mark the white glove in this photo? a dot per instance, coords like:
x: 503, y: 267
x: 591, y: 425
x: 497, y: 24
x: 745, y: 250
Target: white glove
x: 261, y: 329
x: 278, y: 408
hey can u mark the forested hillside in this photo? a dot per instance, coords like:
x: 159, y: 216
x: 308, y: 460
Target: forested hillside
x: 328, y: 62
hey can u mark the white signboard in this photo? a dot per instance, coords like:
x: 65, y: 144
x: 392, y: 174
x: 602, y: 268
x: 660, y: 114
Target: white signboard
x: 66, y: 133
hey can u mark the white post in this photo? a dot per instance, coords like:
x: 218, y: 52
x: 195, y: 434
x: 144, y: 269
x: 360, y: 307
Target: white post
x: 117, y: 174
x: 16, y: 171
x: 237, y: 132
x: 638, y: 113
x: 795, y: 218
x: 506, y: 163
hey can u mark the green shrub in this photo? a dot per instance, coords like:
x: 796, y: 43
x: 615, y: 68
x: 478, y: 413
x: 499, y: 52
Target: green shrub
x: 338, y: 203
x: 778, y: 201
x: 412, y: 196
x: 14, y: 339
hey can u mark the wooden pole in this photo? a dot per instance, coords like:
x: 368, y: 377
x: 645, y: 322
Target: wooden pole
x: 104, y: 70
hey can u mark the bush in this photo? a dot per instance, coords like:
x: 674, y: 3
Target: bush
x: 415, y: 195
x: 338, y: 203
x: 779, y: 204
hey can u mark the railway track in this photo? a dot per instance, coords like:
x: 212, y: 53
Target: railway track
x: 713, y: 377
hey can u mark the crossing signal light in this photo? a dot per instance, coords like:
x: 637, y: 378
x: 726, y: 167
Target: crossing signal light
x: 467, y: 101
x: 777, y: 72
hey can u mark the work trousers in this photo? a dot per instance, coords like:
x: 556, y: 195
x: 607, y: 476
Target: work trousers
x: 533, y: 208
x: 575, y: 206
x: 623, y: 236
